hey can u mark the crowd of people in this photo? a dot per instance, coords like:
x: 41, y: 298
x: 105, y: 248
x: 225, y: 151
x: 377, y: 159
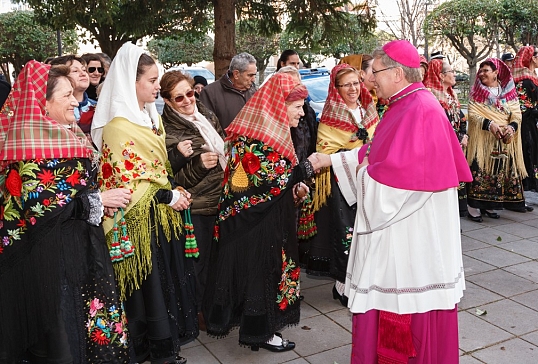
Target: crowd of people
x: 125, y: 232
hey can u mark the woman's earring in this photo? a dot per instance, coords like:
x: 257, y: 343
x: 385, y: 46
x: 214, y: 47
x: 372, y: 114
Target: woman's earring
x: 46, y: 112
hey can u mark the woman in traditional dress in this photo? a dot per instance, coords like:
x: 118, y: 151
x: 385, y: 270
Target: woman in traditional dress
x: 348, y: 120
x: 201, y: 168
x: 254, y: 281
x: 527, y: 90
x: 494, y: 148
x: 439, y: 80
x: 58, y: 301
x: 155, y: 277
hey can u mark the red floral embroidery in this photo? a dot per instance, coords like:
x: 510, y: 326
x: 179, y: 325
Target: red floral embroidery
x: 273, y: 157
x: 99, y: 337
x: 275, y: 191
x: 251, y: 163
x: 14, y: 183
x: 106, y: 170
x: 73, y: 179
x: 46, y: 177
x: 128, y: 165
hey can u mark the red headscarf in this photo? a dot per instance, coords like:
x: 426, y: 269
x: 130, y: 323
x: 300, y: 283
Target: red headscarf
x: 337, y: 114
x: 265, y: 118
x: 26, y: 132
x: 480, y: 93
x: 521, y: 69
x: 434, y: 83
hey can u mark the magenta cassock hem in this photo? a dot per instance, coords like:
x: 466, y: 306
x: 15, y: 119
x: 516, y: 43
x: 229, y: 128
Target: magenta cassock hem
x: 435, y: 337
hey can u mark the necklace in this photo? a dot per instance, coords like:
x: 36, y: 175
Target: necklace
x: 387, y: 108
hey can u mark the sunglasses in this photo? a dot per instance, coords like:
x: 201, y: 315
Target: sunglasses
x: 180, y: 98
x: 98, y: 69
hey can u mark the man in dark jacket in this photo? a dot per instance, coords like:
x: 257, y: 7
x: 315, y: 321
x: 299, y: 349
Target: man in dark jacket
x: 227, y: 96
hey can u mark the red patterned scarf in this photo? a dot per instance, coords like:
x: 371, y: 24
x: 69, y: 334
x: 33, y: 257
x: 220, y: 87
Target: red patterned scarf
x: 26, y: 132
x: 433, y: 82
x: 338, y: 115
x: 481, y: 94
x: 521, y: 69
x: 265, y: 118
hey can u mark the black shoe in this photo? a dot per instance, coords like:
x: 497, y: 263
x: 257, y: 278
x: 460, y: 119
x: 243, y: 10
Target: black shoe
x: 285, y: 346
x: 301, y: 297
x: 529, y: 208
x: 342, y: 298
x: 491, y: 215
x: 474, y: 218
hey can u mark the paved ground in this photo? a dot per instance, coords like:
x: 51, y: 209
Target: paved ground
x: 501, y: 265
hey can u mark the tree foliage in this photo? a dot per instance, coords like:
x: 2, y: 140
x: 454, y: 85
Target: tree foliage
x: 310, y: 23
x: 248, y: 39
x: 469, y: 25
x: 114, y: 22
x: 187, y: 48
x: 517, y: 22
x: 354, y: 37
x: 23, y: 39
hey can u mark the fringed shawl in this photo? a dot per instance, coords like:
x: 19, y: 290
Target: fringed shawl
x: 337, y: 129
x: 484, y: 142
x: 134, y: 157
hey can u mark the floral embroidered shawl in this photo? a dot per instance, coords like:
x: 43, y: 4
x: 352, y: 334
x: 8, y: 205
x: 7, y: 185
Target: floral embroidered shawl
x: 134, y: 157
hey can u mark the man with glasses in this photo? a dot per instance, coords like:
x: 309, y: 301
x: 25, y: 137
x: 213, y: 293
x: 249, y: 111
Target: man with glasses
x: 405, y: 273
x: 96, y: 71
x: 227, y: 96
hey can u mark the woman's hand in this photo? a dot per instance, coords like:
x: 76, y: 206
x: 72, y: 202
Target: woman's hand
x: 184, y: 201
x: 495, y: 130
x: 116, y: 198
x: 300, y: 193
x: 209, y: 159
x: 319, y: 160
x: 185, y: 148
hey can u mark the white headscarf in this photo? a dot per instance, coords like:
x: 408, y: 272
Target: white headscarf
x: 118, y: 96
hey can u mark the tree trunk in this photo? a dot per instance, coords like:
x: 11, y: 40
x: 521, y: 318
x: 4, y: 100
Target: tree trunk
x: 224, y: 48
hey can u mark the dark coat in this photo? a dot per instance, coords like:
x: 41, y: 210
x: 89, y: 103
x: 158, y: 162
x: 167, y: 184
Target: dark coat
x: 204, y: 184
x: 224, y: 100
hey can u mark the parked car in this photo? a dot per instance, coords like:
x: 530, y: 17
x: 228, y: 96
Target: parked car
x: 460, y: 76
x: 195, y: 71
x: 318, y: 88
x: 307, y: 73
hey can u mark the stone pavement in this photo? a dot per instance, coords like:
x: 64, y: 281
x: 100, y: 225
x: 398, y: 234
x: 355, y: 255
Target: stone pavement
x: 501, y: 265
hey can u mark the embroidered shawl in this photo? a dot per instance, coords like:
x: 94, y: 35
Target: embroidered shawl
x: 483, y: 143
x: 521, y: 69
x: 134, y: 157
x: 27, y: 132
x: 265, y: 118
x: 481, y: 94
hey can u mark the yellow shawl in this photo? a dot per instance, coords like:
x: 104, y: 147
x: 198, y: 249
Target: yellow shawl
x: 331, y: 140
x: 134, y: 157
x: 482, y: 142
